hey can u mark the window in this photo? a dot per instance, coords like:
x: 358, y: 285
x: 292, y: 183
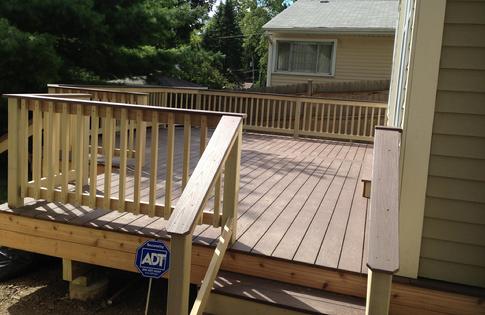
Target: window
x: 305, y: 57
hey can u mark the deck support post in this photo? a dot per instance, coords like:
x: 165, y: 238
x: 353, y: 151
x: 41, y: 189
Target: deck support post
x: 14, y: 197
x: 378, y: 292
x: 179, y: 279
x: 231, y: 185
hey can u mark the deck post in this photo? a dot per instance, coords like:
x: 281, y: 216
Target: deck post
x: 231, y: 185
x: 14, y: 196
x: 296, y: 124
x: 378, y: 292
x: 179, y: 279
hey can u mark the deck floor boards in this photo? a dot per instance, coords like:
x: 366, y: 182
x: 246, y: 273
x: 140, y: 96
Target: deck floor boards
x: 300, y: 199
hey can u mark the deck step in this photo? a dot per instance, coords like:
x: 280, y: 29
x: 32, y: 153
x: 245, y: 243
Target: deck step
x: 285, y: 296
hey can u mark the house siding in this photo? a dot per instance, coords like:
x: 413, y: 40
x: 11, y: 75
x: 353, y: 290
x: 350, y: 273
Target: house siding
x: 453, y: 244
x: 357, y: 58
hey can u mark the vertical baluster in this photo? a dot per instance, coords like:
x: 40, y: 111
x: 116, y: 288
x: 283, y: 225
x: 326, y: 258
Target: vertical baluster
x: 285, y: 105
x: 256, y: 110
x: 352, y: 121
x: 23, y: 148
x: 340, y: 119
x: 154, y: 165
x: 359, y: 118
x: 37, y: 148
x: 108, y: 156
x: 93, y: 164
x: 315, y: 125
x: 55, y: 143
x: 364, y: 133
x: 278, y: 122
x: 65, y: 123
x: 186, y: 156
x: 86, y: 150
x: 79, y: 155
x: 123, y: 158
x: 290, y: 117
x: 371, y: 131
x: 334, y: 117
x: 346, y: 119
x: 251, y: 112
x: 139, y: 158
x: 192, y: 101
x: 216, y: 219
x: 329, y: 113
x: 267, y: 104
x: 322, y: 117
x: 203, y: 134
x: 273, y: 108
x: 45, y: 129
x: 303, y: 125
x: 169, y: 174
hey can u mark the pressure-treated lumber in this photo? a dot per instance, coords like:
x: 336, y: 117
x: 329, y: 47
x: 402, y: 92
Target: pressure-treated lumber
x: 190, y: 204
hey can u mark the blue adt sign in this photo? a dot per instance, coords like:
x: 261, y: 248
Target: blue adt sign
x: 152, y: 259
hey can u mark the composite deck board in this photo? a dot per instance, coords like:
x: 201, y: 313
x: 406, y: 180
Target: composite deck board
x: 300, y: 199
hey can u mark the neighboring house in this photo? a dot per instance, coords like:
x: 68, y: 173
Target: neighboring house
x: 334, y: 40
x: 438, y: 97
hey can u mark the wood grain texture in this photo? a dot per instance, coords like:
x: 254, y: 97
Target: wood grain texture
x: 384, y: 203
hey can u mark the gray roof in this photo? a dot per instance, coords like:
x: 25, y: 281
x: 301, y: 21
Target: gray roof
x: 337, y: 16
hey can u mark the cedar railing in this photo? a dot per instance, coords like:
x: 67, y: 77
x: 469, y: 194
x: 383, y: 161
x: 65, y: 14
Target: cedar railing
x: 64, y: 169
x: 275, y: 113
x: 383, y: 240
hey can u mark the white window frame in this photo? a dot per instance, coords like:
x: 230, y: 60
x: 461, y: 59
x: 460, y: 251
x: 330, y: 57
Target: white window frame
x: 306, y: 41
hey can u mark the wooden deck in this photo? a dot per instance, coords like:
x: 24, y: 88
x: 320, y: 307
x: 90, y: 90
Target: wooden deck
x: 300, y: 200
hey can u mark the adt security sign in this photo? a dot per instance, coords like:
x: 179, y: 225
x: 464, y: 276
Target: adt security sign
x: 152, y: 259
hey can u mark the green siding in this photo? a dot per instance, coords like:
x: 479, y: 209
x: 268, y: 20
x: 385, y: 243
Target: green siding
x: 453, y: 247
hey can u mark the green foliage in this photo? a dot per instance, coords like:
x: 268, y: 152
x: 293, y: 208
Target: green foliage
x: 95, y: 40
x: 223, y: 35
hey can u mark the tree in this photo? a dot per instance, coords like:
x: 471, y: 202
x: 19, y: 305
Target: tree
x: 253, y: 15
x: 223, y: 35
x: 97, y: 40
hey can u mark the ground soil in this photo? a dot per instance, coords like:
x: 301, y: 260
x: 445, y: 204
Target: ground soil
x: 42, y: 291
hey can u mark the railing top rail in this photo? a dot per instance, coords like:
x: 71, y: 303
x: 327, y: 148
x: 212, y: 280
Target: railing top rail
x: 384, y: 202
x: 122, y: 105
x: 191, y: 203
x: 93, y: 89
x: 206, y: 91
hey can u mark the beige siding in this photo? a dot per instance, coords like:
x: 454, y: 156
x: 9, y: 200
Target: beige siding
x: 357, y: 58
x: 453, y: 247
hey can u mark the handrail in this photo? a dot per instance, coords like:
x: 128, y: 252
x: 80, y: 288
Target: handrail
x: 383, y: 241
x: 191, y: 203
x: 295, y: 115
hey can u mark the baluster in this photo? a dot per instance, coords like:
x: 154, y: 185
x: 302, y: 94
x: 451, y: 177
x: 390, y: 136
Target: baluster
x: 65, y: 172
x: 303, y: 125
x: 139, y: 158
x: 334, y: 117
x: 279, y: 114
x: 123, y: 158
x: 267, y: 111
x: 186, y: 154
x: 108, y: 156
x: 371, y: 131
x: 169, y: 175
x: 23, y: 148
x: 37, y: 148
x: 322, y: 117
x: 285, y: 105
x: 329, y: 114
x: 251, y: 113
x: 290, y: 118
x: 256, y: 105
x: 154, y: 165
x: 364, y: 133
x: 203, y: 134
x: 340, y: 119
x: 273, y: 108
x: 359, y: 118
x: 315, y: 124
x: 93, y: 177
x: 352, y: 121
x: 79, y: 155
x: 216, y: 218
x: 346, y: 119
